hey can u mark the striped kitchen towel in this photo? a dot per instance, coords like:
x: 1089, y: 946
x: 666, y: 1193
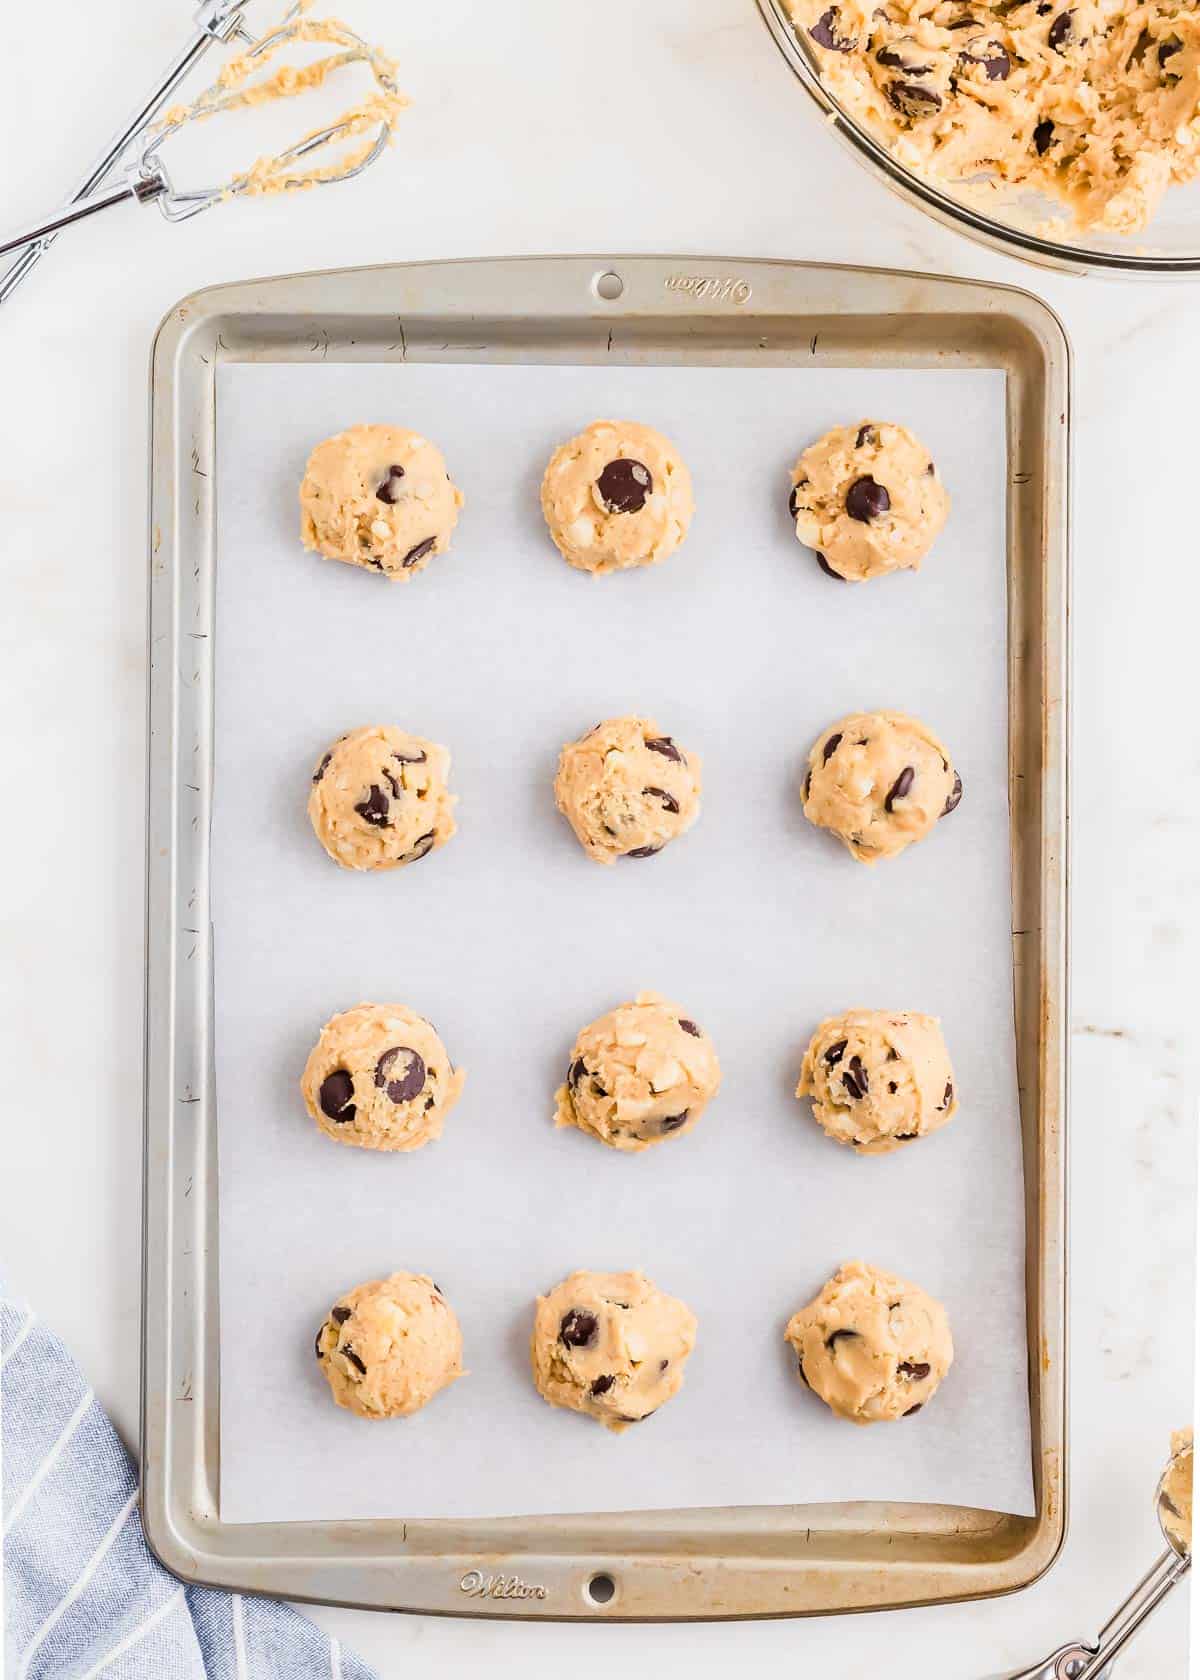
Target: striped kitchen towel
x: 79, y: 1591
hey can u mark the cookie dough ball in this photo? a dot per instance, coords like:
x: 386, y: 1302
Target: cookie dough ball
x: 379, y: 497
x: 873, y: 1347
x: 388, y: 1347
x: 641, y: 1073
x: 627, y: 789
x: 617, y: 496
x: 379, y: 1077
x: 610, y: 1344
x: 868, y: 499
x: 1175, y: 1493
x: 879, y: 781
x: 878, y: 1079
x: 379, y: 798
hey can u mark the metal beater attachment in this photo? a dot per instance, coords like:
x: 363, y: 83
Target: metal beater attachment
x: 337, y: 152
x: 1173, y: 1508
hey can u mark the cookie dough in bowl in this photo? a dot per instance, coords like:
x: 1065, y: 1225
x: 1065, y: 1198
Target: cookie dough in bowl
x: 867, y: 498
x: 379, y: 1077
x: 617, y: 496
x: 379, y: 497
x: 1093, y: 104
x: 641, y: 1074
x: 611, y: 1345
x: 388, y: 1347
x: 879, y: 781
x: 627, y: 789
x: 872, y: 1346
x: 878, y: 1078
x: 379, y: 798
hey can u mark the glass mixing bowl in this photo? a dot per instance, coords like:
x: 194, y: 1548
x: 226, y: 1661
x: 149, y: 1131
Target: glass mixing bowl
x: 1014, y: 224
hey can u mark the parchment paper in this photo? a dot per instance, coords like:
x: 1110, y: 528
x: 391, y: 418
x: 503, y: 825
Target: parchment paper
x: 510, y: 939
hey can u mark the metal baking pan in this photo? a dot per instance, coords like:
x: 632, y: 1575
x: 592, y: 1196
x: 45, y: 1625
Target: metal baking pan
x: 759, y: 1561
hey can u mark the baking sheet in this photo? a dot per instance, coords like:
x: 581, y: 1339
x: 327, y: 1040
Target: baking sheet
x: 509, y: 939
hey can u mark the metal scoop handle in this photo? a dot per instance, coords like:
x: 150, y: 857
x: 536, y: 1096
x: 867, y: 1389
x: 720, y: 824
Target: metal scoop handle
x: 1094, y: 1662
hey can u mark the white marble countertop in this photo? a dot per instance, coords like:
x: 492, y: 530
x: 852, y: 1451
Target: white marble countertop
x: 655, y: 125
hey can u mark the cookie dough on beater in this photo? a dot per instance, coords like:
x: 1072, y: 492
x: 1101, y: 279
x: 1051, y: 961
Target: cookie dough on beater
x: 617, y: 496
x: 867, y: 498
x: 378, y: 497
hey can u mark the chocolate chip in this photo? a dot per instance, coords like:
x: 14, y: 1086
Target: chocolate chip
x: 578, y: 1328
x: 825, y: 33
x: 642, y: 852
x: 339, y: 1315
x: 866, y: 432
x: 336, y: 1096
x: 866, y: 500
x: 1168, y: 49
x: 668, y: 799
x: 991, y: 56
x: 664, y: 745
x: 389, y: 491
x: 904, y: 55
x: 948, y: 1095
x: 1043, y: 137
x: 892, y: 1086
x: 913, y: 101
x: 800, y: 1370
x: 396, y: 787
x: 831, y: 1342
x: 905, y: 1137
x: 576, y: 1071
x: 410, y: 1080
x: 322, y: 767
x: 421, y: 849
x: 900, y: 788
x: 835, y: 1052
x: 855, y: 1078
x: 601, y: 1386
x: 672, y: 1122
x: 830, y: 747
x: 317, y: 1344
x: 418, y: 553
x: 410, y: 758
x: 916, y: 1373
x: 808, y: 784
x: 953, y: 797
x: 828, y: 569
x: 691, y: 1027
x: 354, y: 1359
x: 624, y: 486
x: 1061, y: 31
x: 793, y: 507
x: 930, y: 470
x: 374, y: 808
x: 914, y: 1409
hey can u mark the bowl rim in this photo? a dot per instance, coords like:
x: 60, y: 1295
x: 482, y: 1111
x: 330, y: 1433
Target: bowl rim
x: 950, y: 211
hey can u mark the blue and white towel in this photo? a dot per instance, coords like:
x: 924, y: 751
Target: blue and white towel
x: 81, y: 1594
